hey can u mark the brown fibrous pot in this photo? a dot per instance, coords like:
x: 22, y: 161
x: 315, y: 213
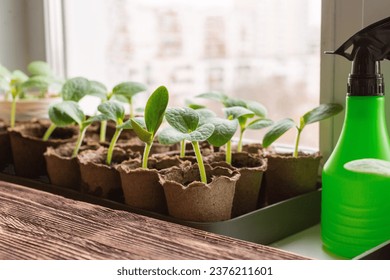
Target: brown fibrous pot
x: 28, y: 147
x: 191, y: 200
x: 289, y: 176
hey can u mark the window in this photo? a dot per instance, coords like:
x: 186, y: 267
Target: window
x: 268, y: 51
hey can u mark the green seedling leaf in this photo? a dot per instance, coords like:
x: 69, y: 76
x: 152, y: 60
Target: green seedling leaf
x: 169, y: 136
x: 112, y: 110
x: 320, y: 113
x: 97, y: 118
x: 141, y: 132
x: 18, y: 77
x: 183, y: 119
x: 277, y: 130
x: 202, y: 133
x: 194, y: 106
x: 127, y: 124
x: 256, y: 108
x: 234, y: 102
x: 98, y: 89
x: 128, y: 89
x: 217, y: 96
x: 369, y: 166
x: 39, y: 68
x: 260, y: 124
x: 205, y: 115
x: 37, y: 82
x: 66, y: 113
x: 237, y: 112
x: 76, y: 88
x: 155, y: 109
x: 223, y: 132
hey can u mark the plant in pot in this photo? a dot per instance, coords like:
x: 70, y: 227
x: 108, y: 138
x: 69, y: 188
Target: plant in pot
x: 61, y: 162
x: 30, y: 92
x: 246, y: 121
x: 98, y: 167
x: 250, y: 166
x: 186, y: 149
x: 27, y: 97
x: 291, y: 174
x: 140, y: 181
x: 197, y: 192
x: 123, y: 92
x: 29, y: 141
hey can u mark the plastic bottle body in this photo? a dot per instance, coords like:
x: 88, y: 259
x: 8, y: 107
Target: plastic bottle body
x: 356, y: 207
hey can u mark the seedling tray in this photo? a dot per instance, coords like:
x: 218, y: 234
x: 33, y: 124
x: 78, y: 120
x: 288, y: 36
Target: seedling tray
x: 263, y: 226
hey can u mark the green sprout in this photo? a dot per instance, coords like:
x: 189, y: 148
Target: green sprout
x: 154, y: 115
x: 127, y: 90
x: 115, y: 112
x: 317, y: 114
x: 255, y: 109
x: 73, y: 90
x: 69, y: 112
x: 16, y: 84
x: 185, y: 123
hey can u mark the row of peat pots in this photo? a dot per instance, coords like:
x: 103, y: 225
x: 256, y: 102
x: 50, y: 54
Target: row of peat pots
x: 171, y: 184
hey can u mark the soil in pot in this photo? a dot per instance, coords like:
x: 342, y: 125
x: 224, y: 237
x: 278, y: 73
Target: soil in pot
x: 5, y: 146
x: 28, y: 147
x: 251, y: 167
x: 98, y: 178
x: 63, y: 169
x: 287, y: 176
x: 191, y: 200
x: 141, y: 187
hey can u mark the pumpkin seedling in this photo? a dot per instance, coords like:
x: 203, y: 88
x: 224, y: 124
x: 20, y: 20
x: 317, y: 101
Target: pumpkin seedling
x: 17, y: 84
x: 73, y: 90
x: 127, y: 90
x: 255, y: 109
x: 223, y: 133
x: 69, y: 112
x: 154, y: 115
x: 317, y: 114
x: 186, y: 126
x: 100, y: 90
x: 115, y: 112
x: 11, y: 83
x: 170, y: 133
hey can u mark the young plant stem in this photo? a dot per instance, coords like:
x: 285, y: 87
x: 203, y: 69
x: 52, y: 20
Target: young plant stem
x: 103, y: 127
x: 145, y: 156
x: 112, y: 145
x: 228, y: 156
x: 199, y: 159
x: 79, y: 141
x: 239, y: 145
x: 297, y: 143
x: 48, y: 132
x: 13, y: 112
x: 182, y: 148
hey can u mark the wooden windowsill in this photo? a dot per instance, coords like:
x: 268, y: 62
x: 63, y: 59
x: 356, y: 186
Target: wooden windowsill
x: 40, y: 225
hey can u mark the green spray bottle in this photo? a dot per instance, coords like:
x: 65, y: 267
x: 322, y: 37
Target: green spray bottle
x: 356, y: 207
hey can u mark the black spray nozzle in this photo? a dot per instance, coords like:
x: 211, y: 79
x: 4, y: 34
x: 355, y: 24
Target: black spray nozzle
x: 367, y: 48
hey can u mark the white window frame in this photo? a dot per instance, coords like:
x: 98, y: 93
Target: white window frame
x: 340, y: 20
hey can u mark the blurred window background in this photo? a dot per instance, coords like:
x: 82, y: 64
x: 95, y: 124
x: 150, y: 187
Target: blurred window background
x: 262, y: 50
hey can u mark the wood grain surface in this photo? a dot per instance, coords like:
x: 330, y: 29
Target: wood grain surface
x: 39, y: 225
